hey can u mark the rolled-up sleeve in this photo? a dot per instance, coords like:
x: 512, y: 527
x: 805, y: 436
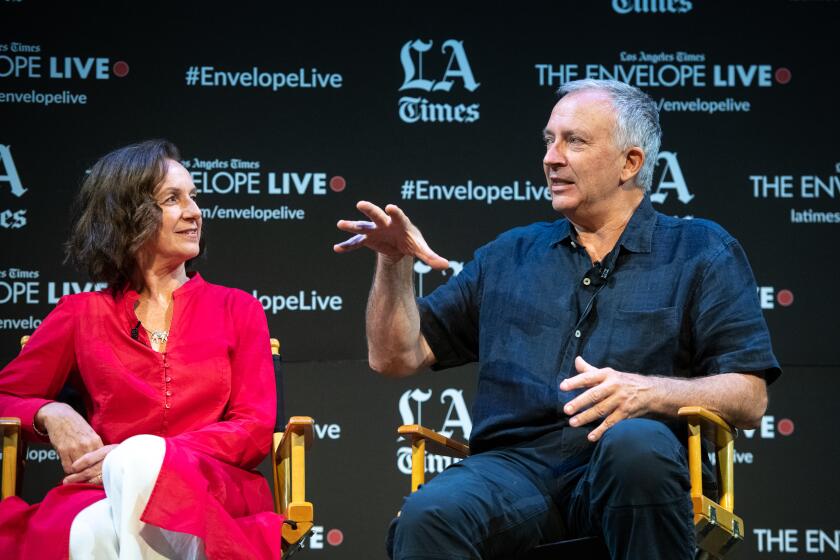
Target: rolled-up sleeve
x: 730, y: 333
x: 449, y: 317
x: 38, y: 373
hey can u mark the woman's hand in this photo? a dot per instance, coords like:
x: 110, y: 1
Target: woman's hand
x: 69, y: 433
x: 88, y: 467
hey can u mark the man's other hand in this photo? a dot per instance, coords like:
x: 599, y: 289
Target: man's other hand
x: 611, y: 395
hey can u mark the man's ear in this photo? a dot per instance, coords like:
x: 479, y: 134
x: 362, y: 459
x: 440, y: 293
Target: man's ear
x: 633, y: 160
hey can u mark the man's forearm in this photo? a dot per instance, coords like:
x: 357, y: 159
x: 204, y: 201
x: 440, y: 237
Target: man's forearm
x: 739, y: 398
x: 395, y: 345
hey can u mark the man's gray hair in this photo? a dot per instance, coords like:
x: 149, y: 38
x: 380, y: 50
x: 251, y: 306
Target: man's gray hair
x: 637, y: 120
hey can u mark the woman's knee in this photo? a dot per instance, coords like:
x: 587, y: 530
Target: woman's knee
x: 92, y: 533
x: 140, y: 455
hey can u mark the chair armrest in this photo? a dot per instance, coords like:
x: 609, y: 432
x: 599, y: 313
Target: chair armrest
x: 435, y: 442
x: 420, y: 438
x: 302, y: 426
x: 12, y: 457
x: 716, y: 429
x: 717, y: 527
x: 704, y: 422
x: 289, y: 468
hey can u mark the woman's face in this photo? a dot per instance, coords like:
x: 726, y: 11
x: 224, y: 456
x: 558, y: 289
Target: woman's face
x: 180, y: 227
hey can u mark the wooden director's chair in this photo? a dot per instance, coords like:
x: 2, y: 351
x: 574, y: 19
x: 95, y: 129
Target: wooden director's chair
x: 287, y: 459
x: 716, y: 526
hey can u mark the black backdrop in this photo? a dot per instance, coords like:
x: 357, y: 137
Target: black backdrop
x: 287, y: 115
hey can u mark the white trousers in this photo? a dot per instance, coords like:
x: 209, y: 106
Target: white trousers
x: 111, y: 529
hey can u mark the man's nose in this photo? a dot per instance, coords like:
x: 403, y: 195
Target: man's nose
x: 554, y: 156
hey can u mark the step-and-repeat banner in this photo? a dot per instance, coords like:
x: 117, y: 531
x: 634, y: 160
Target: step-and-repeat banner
x: 287, y: 115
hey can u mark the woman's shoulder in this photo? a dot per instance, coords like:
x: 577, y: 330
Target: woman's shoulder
x: 230, y: 296
x: 88, y: 299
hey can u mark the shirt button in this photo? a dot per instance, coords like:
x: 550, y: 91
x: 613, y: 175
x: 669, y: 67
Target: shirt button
x: 166, y: 406
x: 168, y: 379
x: 586, y: 281
x: 574, y: 245
x: 169, y: 393
x: 577, y: 334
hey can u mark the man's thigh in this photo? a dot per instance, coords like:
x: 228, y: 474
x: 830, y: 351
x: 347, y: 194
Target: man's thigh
x: 635, y: 487
x: 487, y: 506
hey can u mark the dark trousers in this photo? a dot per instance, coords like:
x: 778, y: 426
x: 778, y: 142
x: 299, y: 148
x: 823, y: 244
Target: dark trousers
x: 631, y: 488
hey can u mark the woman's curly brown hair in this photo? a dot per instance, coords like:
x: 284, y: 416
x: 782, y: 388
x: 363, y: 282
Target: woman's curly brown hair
x: 116, y: 212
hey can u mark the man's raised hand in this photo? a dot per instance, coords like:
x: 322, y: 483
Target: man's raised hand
x: 390, y: 233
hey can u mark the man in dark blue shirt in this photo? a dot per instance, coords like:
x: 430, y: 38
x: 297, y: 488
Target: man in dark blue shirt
x: 590, y: 333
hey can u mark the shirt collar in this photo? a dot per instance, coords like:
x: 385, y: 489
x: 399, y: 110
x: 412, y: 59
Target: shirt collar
x: 130, y: 295
x: 638, y: 234
x: 636, y: 237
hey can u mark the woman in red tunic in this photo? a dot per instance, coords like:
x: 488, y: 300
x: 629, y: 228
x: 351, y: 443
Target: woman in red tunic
x: 177, y: 380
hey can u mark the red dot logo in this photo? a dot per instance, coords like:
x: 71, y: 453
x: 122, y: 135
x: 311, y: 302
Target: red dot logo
x: 783, y: 75
x: 335, y: 537
x: 120, y: 69
x: 785, y: 426
x: 337, y: 183
x: 785, y: 298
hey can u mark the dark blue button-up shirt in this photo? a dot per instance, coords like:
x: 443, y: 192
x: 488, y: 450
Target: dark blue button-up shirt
x: 675, y: 297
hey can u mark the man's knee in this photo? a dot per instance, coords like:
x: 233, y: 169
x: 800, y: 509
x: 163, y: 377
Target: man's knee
x: 643, y: 460
x: 428, y: 514
x: 437, y: 521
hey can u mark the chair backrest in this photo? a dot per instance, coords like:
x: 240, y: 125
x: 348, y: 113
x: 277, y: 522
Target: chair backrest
x: 280, y: 422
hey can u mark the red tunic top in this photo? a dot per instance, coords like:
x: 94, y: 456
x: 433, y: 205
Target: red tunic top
x: 211, y: 395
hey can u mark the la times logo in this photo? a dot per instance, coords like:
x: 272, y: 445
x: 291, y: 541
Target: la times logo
x: 416, y: 59
x: 11, y: 218
x: 651, y: 6
x: 671, y: 180
x: 457, y: 418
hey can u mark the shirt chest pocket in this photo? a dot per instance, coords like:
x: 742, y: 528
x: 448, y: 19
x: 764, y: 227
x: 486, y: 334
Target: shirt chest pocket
x: 644, y: 341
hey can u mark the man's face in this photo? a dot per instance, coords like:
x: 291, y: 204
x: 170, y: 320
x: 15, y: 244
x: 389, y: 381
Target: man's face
x: 582, y: 162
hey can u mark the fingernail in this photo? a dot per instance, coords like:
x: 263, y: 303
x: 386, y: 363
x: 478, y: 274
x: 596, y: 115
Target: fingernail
x: 568, y: 408
x: 355, y: 240
x: 573, y: 422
